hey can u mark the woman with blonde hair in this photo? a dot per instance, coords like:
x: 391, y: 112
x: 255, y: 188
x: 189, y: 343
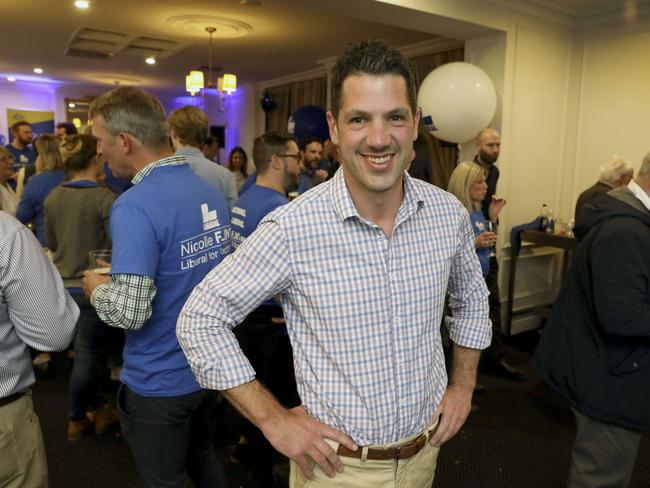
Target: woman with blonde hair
x: 49, y: 174
x: 468, y: 184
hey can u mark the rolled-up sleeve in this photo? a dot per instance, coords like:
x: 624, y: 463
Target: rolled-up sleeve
x: 259, y: 269
x: 469, y: 325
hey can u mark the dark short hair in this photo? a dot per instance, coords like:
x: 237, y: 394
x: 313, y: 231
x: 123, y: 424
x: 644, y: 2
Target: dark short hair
x: 373, y: 58
x: 307, y: 140
x: 69, y: 128
x: 210, y: 140
x: 267, y: 145
x: 190, y: 125
x: 78, y: 151
x: 18, y: 125
x: 130, y: 109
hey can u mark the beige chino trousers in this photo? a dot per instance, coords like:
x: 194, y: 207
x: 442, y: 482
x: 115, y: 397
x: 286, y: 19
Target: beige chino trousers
x: 414, y: 472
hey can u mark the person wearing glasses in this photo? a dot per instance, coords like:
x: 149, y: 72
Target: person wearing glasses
x: 263, y: 335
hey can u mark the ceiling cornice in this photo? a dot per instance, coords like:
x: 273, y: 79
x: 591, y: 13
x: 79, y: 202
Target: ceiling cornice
x: 571, y: 17
x: 538, y: 10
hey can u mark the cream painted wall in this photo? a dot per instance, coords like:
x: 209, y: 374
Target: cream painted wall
x: 535, y: 136
x: 614, y: 107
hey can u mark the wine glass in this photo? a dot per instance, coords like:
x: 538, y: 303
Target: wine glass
x: 492, y: 227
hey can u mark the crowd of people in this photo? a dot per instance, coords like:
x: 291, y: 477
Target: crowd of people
x: 345, y: 326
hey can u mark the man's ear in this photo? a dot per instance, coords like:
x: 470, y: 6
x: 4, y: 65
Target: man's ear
x: 333, y: 127
x: 125, y: 142
x: 276, y: 162
x: 416, y: 122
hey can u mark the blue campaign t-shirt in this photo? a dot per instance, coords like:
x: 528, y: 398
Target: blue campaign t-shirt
x: 117, y: 185
x: 249, y: 211
x: 250, y: 181
x: 251, y: 208
x: 173, y: 227
x: 22, y: 157
x: 479, y: 226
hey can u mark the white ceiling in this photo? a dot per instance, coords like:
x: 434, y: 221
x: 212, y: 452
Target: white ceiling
x: 285, y: 38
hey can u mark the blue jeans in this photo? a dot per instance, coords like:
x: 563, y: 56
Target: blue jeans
x: 91, y: 339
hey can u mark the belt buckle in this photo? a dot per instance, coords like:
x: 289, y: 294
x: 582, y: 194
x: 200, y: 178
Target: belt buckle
x: 408, y: 444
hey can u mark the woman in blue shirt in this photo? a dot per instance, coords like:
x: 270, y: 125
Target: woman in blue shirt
x: 467, y: 183
x: 49, y: 174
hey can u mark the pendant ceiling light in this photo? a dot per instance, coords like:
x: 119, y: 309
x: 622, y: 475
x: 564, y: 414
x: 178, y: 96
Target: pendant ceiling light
x: 195, y: 80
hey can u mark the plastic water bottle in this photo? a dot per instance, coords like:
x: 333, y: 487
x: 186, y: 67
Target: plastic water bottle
x: 550, y: 226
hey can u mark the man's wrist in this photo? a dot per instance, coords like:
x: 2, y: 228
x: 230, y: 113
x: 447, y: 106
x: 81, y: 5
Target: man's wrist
x: 96, y: 293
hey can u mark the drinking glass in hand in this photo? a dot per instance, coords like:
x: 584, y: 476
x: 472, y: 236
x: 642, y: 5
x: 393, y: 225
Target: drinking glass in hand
x: 100, y: 261
x: 492, y: 227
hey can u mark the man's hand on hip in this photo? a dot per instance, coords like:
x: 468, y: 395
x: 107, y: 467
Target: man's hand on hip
x: 298, y: 435
x: 294, y: 433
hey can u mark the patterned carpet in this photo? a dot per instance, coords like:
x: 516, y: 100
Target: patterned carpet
x: 520, y: 436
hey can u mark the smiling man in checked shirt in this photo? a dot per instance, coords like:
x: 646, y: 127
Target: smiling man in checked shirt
x: 364, y: 317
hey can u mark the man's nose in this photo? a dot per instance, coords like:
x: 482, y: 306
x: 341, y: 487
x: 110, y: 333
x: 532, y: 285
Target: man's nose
x: 378, y: 136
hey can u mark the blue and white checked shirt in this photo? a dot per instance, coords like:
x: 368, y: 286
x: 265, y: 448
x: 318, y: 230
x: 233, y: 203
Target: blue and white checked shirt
x: 363, y: 311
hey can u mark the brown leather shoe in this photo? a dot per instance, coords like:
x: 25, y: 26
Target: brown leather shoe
x: 103, y: 418
x: 77, y: 429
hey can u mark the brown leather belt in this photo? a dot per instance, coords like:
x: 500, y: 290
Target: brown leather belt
x: 404, y: 451
x: 11, y: 398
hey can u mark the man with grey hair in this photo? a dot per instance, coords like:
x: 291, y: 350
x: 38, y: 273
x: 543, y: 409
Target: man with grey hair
x: 168, y: 231
x: 614, y: 173
x: 595, y: 350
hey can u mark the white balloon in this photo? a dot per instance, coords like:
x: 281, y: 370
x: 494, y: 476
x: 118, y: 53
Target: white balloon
x: 457, y: 101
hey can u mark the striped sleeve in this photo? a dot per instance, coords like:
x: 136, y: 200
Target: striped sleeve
x: 40, y: 309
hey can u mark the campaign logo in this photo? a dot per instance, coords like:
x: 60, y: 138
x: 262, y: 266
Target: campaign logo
x: 210, y: 220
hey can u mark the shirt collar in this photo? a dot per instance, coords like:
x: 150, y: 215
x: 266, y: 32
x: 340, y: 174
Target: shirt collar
x: 189, y: 151
x: 639, y: 193
x: 606, y: 183
x: 344, y: 207
x: 169, y: 161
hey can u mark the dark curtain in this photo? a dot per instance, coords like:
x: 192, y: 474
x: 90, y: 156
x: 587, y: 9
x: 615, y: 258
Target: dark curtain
x: 291, y: 97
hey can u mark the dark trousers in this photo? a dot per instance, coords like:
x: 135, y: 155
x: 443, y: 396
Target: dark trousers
x: 267, y: 347
x: 92, y: 339
x: 495, y: 351
x: 171, y: 438
x: 603, y: 455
